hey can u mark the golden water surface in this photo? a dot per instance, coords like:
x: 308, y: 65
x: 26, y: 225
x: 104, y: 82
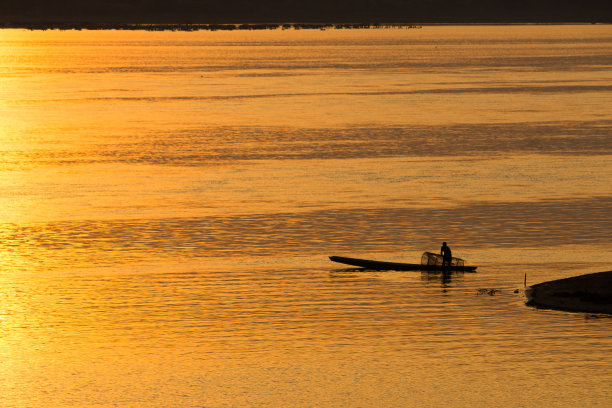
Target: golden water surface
x: 168, y: 201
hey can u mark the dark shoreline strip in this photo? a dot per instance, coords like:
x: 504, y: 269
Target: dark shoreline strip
x: 207, y: 27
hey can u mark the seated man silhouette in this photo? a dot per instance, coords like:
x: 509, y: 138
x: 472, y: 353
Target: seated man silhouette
x: 447, y: 255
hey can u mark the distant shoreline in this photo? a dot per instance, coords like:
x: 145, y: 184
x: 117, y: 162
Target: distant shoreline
x: 42, y: 26
x: 205, y: 27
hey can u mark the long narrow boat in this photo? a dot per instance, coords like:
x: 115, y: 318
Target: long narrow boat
x: 397, y: 266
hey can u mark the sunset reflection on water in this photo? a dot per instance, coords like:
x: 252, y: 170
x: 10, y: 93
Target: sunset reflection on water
x: 169, y: 201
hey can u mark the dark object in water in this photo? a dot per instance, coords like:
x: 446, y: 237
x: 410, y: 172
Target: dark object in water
x: 397, y: 266
x: 591, y: 293
x: 490, y: 292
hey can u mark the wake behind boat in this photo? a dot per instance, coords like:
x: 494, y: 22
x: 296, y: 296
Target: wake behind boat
x: 429, y: 262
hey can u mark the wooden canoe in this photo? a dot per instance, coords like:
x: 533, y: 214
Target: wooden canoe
x: 398, y: 266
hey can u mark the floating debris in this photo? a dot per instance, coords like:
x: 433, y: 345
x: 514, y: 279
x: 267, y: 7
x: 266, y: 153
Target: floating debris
x: 489, y: 292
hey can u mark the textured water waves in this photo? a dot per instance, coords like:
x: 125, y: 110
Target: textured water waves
x: 168, y: 202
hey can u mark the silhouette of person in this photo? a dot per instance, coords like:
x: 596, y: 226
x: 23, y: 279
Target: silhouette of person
x: 447, y: 255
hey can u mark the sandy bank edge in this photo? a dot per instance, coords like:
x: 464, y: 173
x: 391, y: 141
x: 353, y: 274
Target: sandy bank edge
x: 591, y: 293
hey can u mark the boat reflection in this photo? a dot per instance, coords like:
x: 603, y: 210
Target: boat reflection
x: 354, y: 272
x: 443, y: 277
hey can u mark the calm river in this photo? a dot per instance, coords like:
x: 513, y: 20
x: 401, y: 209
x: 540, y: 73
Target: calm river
x: 168, y: 201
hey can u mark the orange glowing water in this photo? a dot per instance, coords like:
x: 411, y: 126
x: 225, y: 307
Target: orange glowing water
x: 168, y: 202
